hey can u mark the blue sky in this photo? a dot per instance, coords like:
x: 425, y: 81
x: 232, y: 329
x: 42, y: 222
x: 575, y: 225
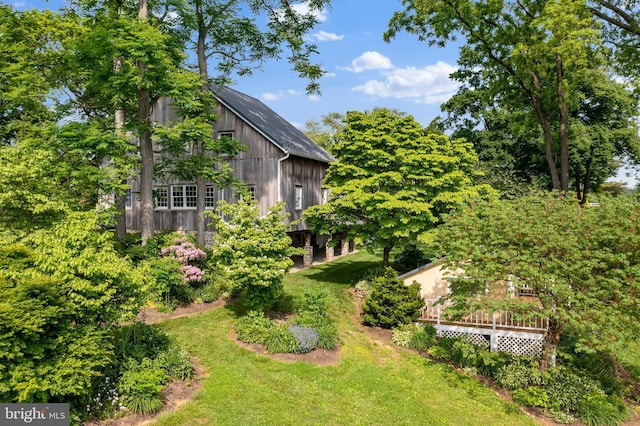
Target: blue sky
x: 362, y: 70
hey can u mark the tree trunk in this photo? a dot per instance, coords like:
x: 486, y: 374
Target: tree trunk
x: 536, y: 100
x: 564, y: 126
x: 550, y: 344
x: 200, y: 151
x: 146, y: 171
x: 121, y: 217
x: 146, y: 146
x: 385, y: 256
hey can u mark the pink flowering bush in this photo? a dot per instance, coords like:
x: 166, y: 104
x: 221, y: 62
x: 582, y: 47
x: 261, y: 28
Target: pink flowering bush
x: 187, y: 254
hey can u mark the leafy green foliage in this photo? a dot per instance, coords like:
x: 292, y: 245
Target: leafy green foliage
x: 141, y: 386
x: 254, y: 251
x: 567, y: 388
x: 533, y: 396
x: 177, y: 363
x: 139, y: 340
x: 535, y: 86
x: 520, y: 373
x: 58, y: 290
x: 393, y: 181
x: 391, y: 302
x: 415, y: 336
x: 598, y: 410
x: 410, y: 258
x: 580, y: 261
x: 253, y: 327
x: 281, y: 340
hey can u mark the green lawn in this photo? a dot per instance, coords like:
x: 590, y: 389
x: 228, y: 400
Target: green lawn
x: 373, y: 384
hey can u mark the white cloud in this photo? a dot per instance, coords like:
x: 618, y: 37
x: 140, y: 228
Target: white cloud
x: 314, y: 98
x: 19, y: 4
x: 325, y: 36
x: 370, y: 60
x: 303, y: 9
x: 428, y: 85
x: 329, y: 74
x: 269, y: 96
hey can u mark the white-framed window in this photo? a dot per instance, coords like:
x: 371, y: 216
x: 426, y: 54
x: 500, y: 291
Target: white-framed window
x: 183, y: 197
x: 324, y: 196
x: 210, y: 197
x: 128, y: 199
x: 161, y: 197
x: 225, y: 134
x: 298, y: 197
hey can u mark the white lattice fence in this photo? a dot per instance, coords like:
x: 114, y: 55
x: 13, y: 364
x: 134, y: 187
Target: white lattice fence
x: 474, y: 338
x: 520, y: 346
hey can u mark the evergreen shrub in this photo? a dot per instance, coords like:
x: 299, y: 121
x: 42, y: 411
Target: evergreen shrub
x: 391, y: 302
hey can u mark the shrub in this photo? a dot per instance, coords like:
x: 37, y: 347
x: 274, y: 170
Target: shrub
x: 463, y: 353
x: 568, y: 388
x: 595, y: 409
x: 327, y: 336
x: 280, y: 340
x: 423, y: 337
x: 440, y: 352
x: 401, y: 335
x: 307, y: 337
x: 141, y: 385
x: 177, y: 363
x: 488, y: 363
x: 520, y: 373
x: 532, y: 396
x: 391, y: 302
x: 414, y: 336
x: 139, y: 341
x: 253, y: 327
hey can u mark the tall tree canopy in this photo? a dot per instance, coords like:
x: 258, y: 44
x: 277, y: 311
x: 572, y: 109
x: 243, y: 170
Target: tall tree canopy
x: 583, y: 263
x: 394, y: 180
x: 531, y: 62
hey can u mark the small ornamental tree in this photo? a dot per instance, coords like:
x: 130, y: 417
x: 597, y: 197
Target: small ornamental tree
x: 583, y: 264
x: 255, y: 252
x: 391, y: 302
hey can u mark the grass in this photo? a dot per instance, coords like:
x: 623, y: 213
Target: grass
x: 373, y: 384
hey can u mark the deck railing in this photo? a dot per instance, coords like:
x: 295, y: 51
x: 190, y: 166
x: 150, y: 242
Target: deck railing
x: 499, y: 319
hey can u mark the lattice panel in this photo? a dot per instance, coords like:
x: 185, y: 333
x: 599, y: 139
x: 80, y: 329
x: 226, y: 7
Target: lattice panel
x: 476, y: 339
x: 520, y: 346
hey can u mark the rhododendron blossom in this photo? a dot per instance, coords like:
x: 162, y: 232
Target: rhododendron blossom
x: 184, y: 253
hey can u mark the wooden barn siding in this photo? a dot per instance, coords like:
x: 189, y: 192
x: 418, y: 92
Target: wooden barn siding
x: 309, y: 174
x: 257, y: 166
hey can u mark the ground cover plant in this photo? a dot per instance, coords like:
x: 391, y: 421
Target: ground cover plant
x: 308, y: 329
x: 373, y: 383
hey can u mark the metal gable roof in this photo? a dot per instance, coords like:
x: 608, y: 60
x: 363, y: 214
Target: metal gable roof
x: 275, y: 128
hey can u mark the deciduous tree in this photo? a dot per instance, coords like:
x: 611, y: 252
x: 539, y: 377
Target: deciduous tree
x: 582, y: 262
x: 394, y: 181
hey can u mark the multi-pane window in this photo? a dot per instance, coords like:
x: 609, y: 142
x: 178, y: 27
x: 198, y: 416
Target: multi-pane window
x: 161, y: 197
x: 298, y: 197
x: 128, y: 199
x: 183, y: 196
x: 225, y: 134
x: 210, y: 197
